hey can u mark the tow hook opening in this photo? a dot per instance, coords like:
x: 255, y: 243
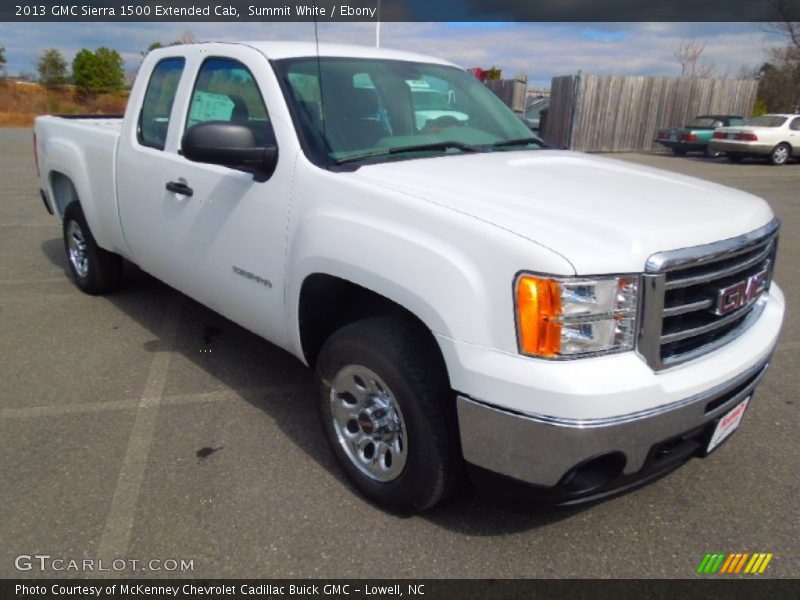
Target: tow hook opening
x: 594, y: 473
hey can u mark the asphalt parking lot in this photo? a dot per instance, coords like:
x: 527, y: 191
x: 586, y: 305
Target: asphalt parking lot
x: 142, y: 425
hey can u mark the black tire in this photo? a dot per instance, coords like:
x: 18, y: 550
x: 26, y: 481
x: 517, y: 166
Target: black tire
x: 101, y: 271
x: 709, y: 153
x: 733, y: 157
x: 679, y: 151
x: 780, y: 154
x: 404, y: 356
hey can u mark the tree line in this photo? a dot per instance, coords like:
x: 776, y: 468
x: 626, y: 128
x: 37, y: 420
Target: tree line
x: 92, y: 72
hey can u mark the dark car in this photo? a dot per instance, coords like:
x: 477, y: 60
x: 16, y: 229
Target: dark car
x: 533, y: 113
x: 694, y: 137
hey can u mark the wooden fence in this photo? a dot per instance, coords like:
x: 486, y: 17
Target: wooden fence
x: 510, y: 91
x: 621, y: 114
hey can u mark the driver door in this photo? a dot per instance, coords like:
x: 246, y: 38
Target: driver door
x: 224, y: 228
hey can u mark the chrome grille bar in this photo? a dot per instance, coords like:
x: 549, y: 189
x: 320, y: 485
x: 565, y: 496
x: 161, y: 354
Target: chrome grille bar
x: 681, y: 309
x: 695, y: 331
x: 725, y: 272
x: 720, y: 273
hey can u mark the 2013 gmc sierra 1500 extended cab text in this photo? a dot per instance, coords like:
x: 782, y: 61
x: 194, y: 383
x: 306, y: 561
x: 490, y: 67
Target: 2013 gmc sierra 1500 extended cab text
x: 566, y: 324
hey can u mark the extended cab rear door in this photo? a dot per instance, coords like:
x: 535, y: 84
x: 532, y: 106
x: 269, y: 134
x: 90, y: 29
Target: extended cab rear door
x: 221, y: 241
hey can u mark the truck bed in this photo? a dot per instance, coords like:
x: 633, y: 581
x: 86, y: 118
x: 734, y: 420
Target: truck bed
x: 105, y: 122
x: 83, y: 149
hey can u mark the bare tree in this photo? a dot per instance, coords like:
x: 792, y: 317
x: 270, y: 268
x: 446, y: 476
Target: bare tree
x: 187, y: 38
x: 787, y: 21
x: 689, y: 54
x: 779, y: 87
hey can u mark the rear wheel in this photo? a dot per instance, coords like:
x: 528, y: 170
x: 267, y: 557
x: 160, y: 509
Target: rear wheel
x: 780, y: 154
x: 386, y: 410
x: 95, y: 271
x: 679, y: 151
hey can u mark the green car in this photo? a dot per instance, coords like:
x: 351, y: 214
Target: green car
x: 695, y: 136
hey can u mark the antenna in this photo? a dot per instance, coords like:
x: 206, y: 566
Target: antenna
x: 378, y: 27
x: 319, y: 78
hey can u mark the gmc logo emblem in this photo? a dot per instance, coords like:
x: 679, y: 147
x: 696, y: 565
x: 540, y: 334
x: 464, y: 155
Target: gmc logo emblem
x: 741, y: 294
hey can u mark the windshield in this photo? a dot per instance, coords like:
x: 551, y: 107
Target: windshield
x: 534, y: 111
x: 705, y: 123
x: 766, y: 121
x: 374, y: 108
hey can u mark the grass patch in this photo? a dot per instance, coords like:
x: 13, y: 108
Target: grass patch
x: 21, y: 103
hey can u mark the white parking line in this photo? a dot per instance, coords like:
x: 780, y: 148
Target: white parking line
x: 121, y: 513
x: 225, y: 395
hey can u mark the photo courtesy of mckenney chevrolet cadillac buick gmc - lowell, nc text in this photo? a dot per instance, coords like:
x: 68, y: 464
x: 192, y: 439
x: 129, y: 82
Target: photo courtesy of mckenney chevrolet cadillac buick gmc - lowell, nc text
x: 472, y: 303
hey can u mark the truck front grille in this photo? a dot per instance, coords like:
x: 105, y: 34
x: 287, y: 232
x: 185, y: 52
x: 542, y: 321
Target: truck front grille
x: 698, y: 299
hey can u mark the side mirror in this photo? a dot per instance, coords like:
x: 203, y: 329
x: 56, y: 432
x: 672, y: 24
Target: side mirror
x: 230, y: 145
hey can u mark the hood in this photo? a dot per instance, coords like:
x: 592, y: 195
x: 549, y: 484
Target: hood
x: 602, y: 215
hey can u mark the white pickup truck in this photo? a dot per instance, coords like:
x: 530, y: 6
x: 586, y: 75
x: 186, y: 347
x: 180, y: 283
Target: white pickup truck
x: 473, y: 303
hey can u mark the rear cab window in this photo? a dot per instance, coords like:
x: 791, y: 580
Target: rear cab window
x: 158, y: 99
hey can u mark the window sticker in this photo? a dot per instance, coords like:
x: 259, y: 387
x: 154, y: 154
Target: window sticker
x: 207, y: 106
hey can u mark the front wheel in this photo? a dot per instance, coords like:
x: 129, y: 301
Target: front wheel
x: 96, y: 271
x: 387, y: 412
x: 780, y: 154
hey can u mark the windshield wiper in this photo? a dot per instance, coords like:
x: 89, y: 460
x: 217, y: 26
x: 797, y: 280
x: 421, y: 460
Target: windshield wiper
x: 520, y: 142
x: 434, y: 146
x: 403, y: 149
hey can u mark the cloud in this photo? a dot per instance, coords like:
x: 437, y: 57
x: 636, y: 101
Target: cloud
x: 538, y: 50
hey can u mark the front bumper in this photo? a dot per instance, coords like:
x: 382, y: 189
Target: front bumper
x: 567, y: 461
x: 534, y: 421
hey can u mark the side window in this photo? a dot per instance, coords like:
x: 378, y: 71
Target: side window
x: 225, y: 90
x: 795, y: 124
x: 157, y: 105
x: 733, y: 122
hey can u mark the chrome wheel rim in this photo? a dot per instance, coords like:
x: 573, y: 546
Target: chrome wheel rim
x: 77, y: 249
x: 368, y: 422
x: 780, y: 154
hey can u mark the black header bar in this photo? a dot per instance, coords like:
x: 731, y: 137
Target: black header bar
x: 734, y: 588
x: 399, y: 10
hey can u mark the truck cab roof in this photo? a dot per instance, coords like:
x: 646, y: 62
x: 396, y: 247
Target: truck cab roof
x: 277, y: 50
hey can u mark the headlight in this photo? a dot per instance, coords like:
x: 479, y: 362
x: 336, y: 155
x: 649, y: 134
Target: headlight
x: 571, y: 317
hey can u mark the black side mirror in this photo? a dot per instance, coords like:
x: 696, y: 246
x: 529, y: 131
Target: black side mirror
x: 228, y: 144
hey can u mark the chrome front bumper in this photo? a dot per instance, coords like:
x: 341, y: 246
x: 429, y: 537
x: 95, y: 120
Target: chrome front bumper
x: 547, y: 452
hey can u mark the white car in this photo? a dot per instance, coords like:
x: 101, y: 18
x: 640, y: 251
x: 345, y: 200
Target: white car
x: 775, y: 137
x: 565, y: 323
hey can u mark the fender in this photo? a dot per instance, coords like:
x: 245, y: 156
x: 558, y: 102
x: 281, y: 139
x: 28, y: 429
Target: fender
x: 94, y: 186
x: 443, y: 266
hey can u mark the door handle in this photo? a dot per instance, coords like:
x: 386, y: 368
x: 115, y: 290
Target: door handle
x: 179, y: 188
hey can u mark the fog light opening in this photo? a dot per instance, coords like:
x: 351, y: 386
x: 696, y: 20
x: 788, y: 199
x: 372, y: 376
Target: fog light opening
x: 594, y: 473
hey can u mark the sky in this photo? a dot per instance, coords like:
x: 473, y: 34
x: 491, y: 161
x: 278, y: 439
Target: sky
x: 537, y: 50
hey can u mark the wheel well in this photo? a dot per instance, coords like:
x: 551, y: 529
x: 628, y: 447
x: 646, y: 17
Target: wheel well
x: 327, y: 303
x: 64, y: 192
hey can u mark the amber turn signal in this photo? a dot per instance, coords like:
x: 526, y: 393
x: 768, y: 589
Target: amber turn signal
x: 538, y: 309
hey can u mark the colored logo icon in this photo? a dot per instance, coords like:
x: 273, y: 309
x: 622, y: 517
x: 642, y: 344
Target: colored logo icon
x: 735, y: 562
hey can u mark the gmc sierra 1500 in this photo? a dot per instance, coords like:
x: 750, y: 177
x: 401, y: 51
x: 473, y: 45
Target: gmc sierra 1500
x: 566, y: 323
